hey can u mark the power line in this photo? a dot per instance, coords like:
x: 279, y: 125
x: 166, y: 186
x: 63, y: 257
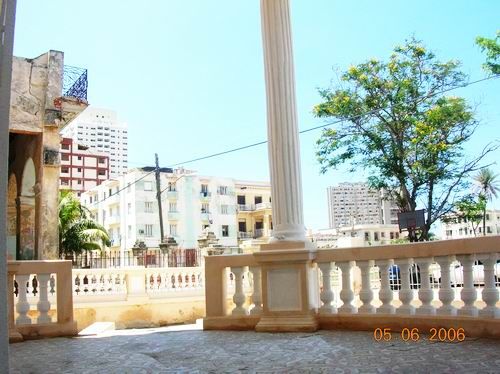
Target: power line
x: 300, y: 132
x: 335, y: 122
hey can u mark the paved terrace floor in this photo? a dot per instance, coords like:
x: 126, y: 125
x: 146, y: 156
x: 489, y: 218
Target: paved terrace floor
x: 165, y: 350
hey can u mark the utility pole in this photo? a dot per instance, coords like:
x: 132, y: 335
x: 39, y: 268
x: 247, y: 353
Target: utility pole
x: 158, y: 196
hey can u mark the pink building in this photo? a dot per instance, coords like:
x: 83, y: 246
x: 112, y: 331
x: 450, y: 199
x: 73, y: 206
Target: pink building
x: 81, y: 168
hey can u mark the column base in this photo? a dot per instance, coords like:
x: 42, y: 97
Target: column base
x: 297, y: 323
x: 15, y: 336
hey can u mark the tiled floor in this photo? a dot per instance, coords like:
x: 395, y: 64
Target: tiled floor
x: 165, y: 350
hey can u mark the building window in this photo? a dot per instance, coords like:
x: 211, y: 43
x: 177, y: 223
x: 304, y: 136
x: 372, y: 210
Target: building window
x: 171, y: 186
x: 79, y: 158
x: 148, y: 186
x: 225, y: 231
x: 64, y: 170
x: 65, y: 146
x: 129, y: 208
x: 64, y: 182
x: 205, y: 208
x: 79, y: 170
x: 101, y: 172
x: 79, y: 181
x: 222, y: 190
x: 223, y: 209
x: 172, y: 207
x: 102, y: 160
x: 65, y: 157
x: 173, y: 229
x: 148, y: 207
x: 148, y: 230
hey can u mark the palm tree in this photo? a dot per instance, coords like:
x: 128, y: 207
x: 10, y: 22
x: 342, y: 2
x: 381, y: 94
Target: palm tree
x: 488, y: 187
x: 77, y: 232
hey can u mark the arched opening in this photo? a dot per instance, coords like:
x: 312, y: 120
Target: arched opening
x: 12, y: 228
x: 26, y: 250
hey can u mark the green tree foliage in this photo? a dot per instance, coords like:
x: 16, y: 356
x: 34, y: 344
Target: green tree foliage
x: 77, y: 232
x: 492, y: 49
x: 488, y: 187
x: 398, y: 125
x: 468, y: 210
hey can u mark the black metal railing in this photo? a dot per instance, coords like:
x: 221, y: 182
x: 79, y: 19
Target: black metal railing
x: 149, y: 258
x: 75, y: 82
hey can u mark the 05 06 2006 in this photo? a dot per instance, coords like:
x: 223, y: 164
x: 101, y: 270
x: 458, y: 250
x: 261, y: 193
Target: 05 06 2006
x: 412, y: 334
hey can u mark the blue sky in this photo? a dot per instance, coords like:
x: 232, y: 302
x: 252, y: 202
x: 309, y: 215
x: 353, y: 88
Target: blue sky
x: 187, y: 75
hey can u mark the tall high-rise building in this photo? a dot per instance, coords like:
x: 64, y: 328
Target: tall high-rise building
x: 356, y: 204
x: 100, y: 130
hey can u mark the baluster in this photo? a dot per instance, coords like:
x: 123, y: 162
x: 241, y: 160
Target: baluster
x: 425, y: 294
x: 366, y: 293
x: 469, y: 293
x: 385, y: 294
x: 405, y: 293
x: 110, y: 286
x: 77, y: 282
x: 446, y: 293
x: 22, y: 306
x: 43, y: 304
x: 490, y: 293
x: 347, y: 294
x: 257, y: 290
x: 327, y: 294
x: 239, y: 295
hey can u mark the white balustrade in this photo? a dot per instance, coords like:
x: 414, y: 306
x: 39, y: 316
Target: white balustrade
x: 469, y: 293
x: 366, y: 293
x: 446, y: 293
x: 425, y: 293
x: 239, y: 296
x: 406, y: 294
x: 257, y: 290
x: 346, y: 294
x: 327, y: 294
x: 490, y: 292
x: 22, y: 306
x: 43, y: 304
x: 385, y: 294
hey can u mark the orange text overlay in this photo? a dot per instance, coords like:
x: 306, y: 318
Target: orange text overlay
x: 412, y: 334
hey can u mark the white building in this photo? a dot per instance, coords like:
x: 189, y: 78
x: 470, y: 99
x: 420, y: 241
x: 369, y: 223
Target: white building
x: 100, y: 130
x: 356, y: 204
x: 190, y: 203
x: 459, y: 228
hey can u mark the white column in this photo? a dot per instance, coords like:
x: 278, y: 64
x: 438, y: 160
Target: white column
x: 327, y: 295
x: 43, y: 304
x: 425, y: 293
x: 446, y: 293
x: 239, y: 295
x: 490, y: 292
x: 469, y: 293
x: 385, y: 294
x: 282, y: 128
x: 257, y: 290
x: 366, y: 293
x: 405, y: 293
x: 347, y: 294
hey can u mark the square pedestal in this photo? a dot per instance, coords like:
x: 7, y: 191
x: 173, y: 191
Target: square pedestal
x: 290, y: 293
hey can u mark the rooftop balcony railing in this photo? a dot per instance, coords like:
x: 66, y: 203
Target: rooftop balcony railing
x: 245, y: 234
x: 266, y: 205
x: 441, y: 284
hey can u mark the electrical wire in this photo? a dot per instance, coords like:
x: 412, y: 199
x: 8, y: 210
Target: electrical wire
x: 300, y: 132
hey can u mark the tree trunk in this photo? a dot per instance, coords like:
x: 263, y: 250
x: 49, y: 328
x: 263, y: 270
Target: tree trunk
x: 484, y: 221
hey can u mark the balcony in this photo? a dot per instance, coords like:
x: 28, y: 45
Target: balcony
x: 261, y: 206
x: 173, y: 216
x: 246, y: 207
x: 113, y: 220
x: 205, y: 195
x: 245, y: 235
x: 172, y: 195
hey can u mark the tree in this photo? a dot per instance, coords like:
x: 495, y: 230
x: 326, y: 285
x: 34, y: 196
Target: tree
x: 492, y: 49
x: 488, y: 187
x: 468, y: 210
x: 77, y: 232
x: 397, y: 124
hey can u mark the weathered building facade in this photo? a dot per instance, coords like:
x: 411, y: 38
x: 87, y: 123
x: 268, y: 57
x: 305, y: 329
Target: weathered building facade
x: 40, y: 106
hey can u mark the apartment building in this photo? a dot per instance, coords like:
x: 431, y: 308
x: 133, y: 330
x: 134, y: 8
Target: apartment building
x: 128, y: 208
x: 356, y: 204
x: 81, y: 168
x: 100, y: 130
x: 457, y: 227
